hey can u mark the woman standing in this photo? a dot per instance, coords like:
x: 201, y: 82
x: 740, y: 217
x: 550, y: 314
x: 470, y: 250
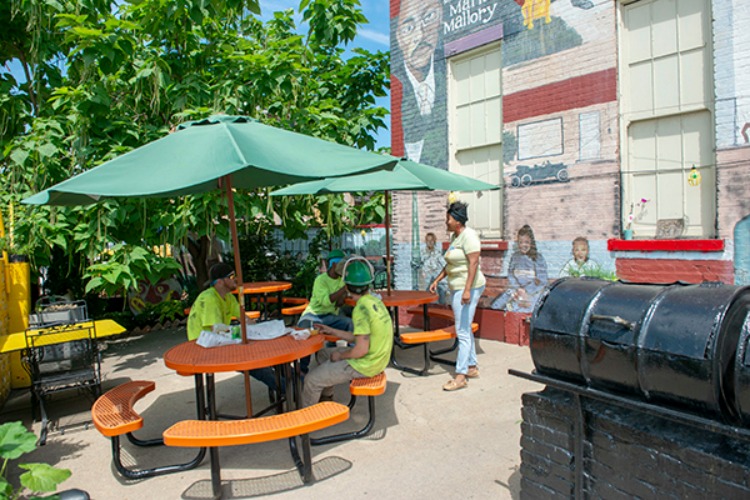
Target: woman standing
x: 466, y: 284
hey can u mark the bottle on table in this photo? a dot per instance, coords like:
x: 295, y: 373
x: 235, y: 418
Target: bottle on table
x: 235, y: 328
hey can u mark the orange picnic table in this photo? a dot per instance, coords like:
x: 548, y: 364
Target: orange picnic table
x: 189, y: 358
x: 394, y: 299
x: 260, y: 290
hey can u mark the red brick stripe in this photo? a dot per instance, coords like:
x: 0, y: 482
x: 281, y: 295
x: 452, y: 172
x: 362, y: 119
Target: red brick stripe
x: 577, y: 92
x: 397, y: 127
x: 671, y: 270
x: 615, y: 245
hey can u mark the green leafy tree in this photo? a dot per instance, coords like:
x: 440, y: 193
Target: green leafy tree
x: 104, y: 77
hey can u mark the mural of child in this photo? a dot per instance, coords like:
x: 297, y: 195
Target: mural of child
x: 432, y: 264
x: 581, y: 263
x: 527, y: 275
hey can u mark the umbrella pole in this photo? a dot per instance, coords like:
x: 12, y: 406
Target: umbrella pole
x: 387, y: 243
x: 227, y: 180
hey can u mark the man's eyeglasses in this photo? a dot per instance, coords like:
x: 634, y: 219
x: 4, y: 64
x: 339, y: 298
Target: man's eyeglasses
x: 409, y: 24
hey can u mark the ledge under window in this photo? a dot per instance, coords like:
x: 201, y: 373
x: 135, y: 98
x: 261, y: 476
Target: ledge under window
x: 617, y: 245
x: 490, y: 245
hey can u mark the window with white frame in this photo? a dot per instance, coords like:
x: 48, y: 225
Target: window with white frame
x: 475, y: 126
x: 667, y: 118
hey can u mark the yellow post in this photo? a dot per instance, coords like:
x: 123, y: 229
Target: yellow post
x: 5, y: 359
x: 5, y: 267
x: 19, y: 301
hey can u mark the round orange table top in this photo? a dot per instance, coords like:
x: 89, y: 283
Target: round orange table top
x: 265, y: 287
x: 189, y: 358
x: 403, y: 298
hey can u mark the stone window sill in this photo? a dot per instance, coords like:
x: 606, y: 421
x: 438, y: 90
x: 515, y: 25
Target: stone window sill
x: 618, y: 245
x: 487, y: 245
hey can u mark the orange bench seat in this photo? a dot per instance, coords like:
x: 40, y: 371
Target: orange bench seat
x: 248, y: 314
x: 113, y: 412
x: 413, y: 339
x: 447, y: 333
x: 214, y: 434
x: 370, y: 387
x: 433, y: 312
x: 113, y: 415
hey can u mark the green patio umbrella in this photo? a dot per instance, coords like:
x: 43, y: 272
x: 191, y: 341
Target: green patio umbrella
x: 219, y: 152
x: 193, y: 158
x: 405, y: 176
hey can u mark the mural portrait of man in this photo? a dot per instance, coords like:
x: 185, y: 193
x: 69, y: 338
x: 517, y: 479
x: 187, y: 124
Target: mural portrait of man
x: 420, y: 66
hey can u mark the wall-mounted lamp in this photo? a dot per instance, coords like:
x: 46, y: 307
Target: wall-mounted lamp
x: 694, y: 177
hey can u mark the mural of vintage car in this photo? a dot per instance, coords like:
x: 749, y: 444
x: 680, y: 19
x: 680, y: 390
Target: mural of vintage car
x: 525, y: 175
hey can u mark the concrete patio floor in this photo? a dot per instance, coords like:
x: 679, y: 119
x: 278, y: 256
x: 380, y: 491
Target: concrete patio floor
x: 426, y: 443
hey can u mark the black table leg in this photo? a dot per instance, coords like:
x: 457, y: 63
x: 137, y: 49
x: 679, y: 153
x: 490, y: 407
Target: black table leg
x: 213, y: 452
x: 200, y: 396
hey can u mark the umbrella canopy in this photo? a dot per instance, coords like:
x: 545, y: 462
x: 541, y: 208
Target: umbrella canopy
x: 190, y: 161
x: 406, y: 176
x: 204, y: 155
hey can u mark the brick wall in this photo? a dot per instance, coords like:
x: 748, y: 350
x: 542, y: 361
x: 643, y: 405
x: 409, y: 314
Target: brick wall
x: 733, y: 185
x: 571, y: 84
x: 671, y: 270
x: 626, y: 454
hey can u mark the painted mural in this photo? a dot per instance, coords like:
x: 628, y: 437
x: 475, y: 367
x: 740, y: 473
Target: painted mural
x: 421, y: 28
x: 527, y: 275
x: 545, y: 172
x: 153, y: 293
x: 732, y: 78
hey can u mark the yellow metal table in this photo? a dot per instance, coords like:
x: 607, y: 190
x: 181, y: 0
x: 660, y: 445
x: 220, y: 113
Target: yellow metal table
x: 103, y: 328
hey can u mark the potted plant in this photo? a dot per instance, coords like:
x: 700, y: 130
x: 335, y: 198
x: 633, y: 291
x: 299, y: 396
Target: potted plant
x: 636, y: 213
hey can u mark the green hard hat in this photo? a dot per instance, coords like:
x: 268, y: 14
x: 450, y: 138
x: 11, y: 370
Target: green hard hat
x: 335, y: 254
x: 358, y: 273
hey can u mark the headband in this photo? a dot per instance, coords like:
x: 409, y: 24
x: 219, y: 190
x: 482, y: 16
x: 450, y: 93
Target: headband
x: 458, y: 212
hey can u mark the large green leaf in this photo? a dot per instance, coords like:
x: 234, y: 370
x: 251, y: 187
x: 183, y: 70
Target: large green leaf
x: 42, y: 477
x: 15, y: 440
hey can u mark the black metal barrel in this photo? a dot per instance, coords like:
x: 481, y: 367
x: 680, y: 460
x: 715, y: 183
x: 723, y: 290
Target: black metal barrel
x: 672, y: 344
x: 739, y: 379
x: 556, y: 326
x: 610, y: 335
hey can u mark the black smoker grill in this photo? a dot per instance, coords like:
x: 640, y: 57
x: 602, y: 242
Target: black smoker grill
x: 678, y: 345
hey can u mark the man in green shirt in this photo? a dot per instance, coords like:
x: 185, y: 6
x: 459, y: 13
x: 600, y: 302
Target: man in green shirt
x: 328, y: 295
x: 217, y: 304
x: 372, y: 339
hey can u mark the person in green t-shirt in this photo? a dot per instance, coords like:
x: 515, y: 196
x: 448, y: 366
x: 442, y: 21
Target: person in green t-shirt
x: 217, y: 305
x: 328, y: 295
x: 372, y: 339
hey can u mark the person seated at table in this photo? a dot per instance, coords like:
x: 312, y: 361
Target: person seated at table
x: 328, y: 295
x: 372, y: 339
x: 217, y: 304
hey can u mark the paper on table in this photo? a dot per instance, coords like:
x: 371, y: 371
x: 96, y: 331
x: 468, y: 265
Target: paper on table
x: 303, y: 334
x: 211, y: 339
x: 266, y: 330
